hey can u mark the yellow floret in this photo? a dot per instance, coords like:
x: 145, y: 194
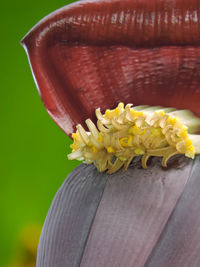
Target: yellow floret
x: 76, y: 136
x: 77, y: 141
x: 122, y: 158
x: 191, y: 149
x: 172, y: 120
x: 115, y: 112
x: 183, y: 134
x: 135, y: 114
x: 100, y: 138
x: 89, y: 144
x: 190, y: 152
x: 156, y: 132
x: 139, y: 151
x: 121, y: 105
x: 110, y: 149
x: 162, y: 113
x: 126, y: 141
x: 135, y: 130
x: 188, y: 143
x: 94, y: 149
x: 73, y: 146
x: 122, y: 134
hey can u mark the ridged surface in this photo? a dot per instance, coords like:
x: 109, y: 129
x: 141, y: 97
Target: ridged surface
x: 128, y: 22
x: 70, y: 217
x: 133, y: 212
x: 103, y: 77
x: 143, y: 217
x: 179, y: 244
x: 97, y: 53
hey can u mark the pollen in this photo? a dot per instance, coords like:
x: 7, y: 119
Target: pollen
x: 139, y: 151
x: 127, y: 132
x: 110, y: 149
x: 126, y: 141
x: 183, y: 134
x: 134, y: 130
x: 172, y: 121
x: 94, y: 149
x: 115, y: 112
x: 162, y: 113
x: 156, y: 132
x: 100, y: 138
x: 75, y: 136
x: 135, y: 113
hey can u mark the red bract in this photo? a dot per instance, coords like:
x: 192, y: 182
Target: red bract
x: 98, y: 53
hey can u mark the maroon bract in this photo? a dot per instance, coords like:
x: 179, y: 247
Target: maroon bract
x: 98, y: 53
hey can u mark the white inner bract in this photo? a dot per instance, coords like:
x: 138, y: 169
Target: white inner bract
x: 125, y: 133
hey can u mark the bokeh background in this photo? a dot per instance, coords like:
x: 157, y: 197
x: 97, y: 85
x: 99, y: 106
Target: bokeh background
x: 33, y: 161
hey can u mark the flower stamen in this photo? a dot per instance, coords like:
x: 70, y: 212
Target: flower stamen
x: 127, y: 132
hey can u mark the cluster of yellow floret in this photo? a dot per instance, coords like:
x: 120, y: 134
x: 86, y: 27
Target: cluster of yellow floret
x: 127, y: 132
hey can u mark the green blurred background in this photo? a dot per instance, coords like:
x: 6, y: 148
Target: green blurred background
x: 33, y: 149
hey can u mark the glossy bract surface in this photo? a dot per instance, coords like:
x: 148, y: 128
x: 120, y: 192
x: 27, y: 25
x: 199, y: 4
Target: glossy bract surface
x: 95, y: 54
